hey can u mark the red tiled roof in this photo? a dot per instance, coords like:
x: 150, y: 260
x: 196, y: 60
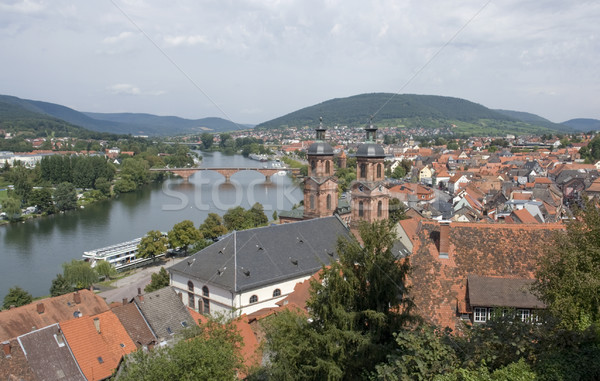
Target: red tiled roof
x: 21, y: 320
x: 525, y: 217
x: 98, y: 354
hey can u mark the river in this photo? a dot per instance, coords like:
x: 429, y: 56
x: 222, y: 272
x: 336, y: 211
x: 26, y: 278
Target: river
x: 31, y: 252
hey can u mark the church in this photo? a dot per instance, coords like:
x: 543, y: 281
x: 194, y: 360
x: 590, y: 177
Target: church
x: 254, y: 269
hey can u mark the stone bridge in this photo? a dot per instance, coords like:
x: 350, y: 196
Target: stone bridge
x: 226, y: 172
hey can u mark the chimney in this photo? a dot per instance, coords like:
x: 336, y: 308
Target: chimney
x: 77, y: 297
x: 444, y: 238
x: 139, y: 291
x: 40, y: 308
x: 124, y: 301
x: 97, y: 324
x: 6, y: 348
x: 141, y: 298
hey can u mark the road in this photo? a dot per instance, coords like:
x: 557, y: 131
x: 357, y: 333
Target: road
x: 127, y: 288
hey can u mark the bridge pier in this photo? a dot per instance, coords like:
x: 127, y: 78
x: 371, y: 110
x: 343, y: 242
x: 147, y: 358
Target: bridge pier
x: 268, y: 179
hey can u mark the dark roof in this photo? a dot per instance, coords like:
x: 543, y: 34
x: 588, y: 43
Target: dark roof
x: 320, y: 149
x: 130, y: 316
x: 265, y: 255
x: 501, y: 292
x: 15, y: 366
x: 49, y: 356
x: 370, y: 150
x: 297, y: 213
x: 164, y: 311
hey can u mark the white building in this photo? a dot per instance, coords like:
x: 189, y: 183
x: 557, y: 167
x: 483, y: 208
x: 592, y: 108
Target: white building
x: 253, y: 269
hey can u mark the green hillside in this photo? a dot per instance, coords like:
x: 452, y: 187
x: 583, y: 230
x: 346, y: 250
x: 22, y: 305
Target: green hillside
x: 411, y: 111
x: 582, y: 124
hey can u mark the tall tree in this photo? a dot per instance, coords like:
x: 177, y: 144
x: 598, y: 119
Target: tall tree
x: 158, y: 280
x: 237, y: 219
x: 207, y: 140
x: 42, y: 198
x: 183, y: 235
x: 105, y: 269
x: 212, y: 227
x: 60, y: 286
x: 79, y: 274
x: 354, y: 312
x: 257, y: 215
x: 152, y: 244
x: 65, y: 196
x: 12, y: 208
x: 16, y: 297
x: 568, y: 278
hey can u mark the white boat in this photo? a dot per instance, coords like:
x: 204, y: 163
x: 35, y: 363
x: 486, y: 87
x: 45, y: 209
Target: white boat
x: 118, y: 255
x: 281, y: 173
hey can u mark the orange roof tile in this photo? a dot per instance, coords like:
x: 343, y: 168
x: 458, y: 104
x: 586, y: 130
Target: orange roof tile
x: 21, y: 320
x: 525, y: 217
x: 98, y: 354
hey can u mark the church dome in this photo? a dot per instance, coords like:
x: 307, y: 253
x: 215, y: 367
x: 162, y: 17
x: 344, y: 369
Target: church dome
x: 370, y: 150
x: 320, y: 149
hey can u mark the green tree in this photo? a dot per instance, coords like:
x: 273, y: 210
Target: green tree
x: 212, y: 227
x: 237, y: 219
x: 105, y: 269
x: 183, y: 235
x: 103, y: 185
x: 213, y: 355
x: 42, y: 198
x: 60, y: 286
x: 397, y: 210
x: 136, y: 170
x: 19, y: 176
x: 158, y: 280
x: 79, y: 274
x: 207, y: 140
x: 152, y: 244
x: 398, y: 173
x: 12, y: 208
x: 257, y: 214
x: 274, y: 215
x: 452, y: 146
x: 568, y: 277
x: 353, y: 314
x: 125, y: 185
x: 65, y: 196
x: 16, y: 297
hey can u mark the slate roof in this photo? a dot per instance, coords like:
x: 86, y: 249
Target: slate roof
x: 370, y: 150
x: 97, y: 354
x: 130, y: 316
x: 49, y: 356
x: 320, y: 149
x: 266, y: 255
x: 501, y: 292
x: 20, y: 320
x: 15, y: 366
x: 164, y: 311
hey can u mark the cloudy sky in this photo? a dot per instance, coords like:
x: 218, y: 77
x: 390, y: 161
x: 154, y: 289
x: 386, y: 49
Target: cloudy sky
x: 254, y: 60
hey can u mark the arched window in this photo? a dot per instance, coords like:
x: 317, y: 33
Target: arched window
x: 328, y: 202
x: 253, y: 299
x: 379, y: 171
x: 191, y: 300
x: 327, y: 168
x: 312, y: 201
x: 361, y: 211
x: 363, y: 170
x: 379, y: 209
x: 276, y: 293
x: 313, y: 164
x: 190, y: 286
x: 205, y: 292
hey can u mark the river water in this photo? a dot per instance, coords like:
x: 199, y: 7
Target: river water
x: 31, y: 253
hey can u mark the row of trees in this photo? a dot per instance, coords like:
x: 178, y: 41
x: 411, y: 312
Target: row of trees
x: 81, y: 171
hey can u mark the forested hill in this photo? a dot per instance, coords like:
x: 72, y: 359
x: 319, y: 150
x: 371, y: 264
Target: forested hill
x: 135, y: 124
x: 411, y: 111
x: 582, y: 124
x: 21, y: 118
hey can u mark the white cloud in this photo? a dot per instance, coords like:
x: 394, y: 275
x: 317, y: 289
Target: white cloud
x: 129, y: 89
x: 25, y: 7
x: 186, y: 40
x: 118, y: 38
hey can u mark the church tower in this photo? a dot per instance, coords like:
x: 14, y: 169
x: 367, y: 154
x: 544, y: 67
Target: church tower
x: 320, y: 186
x: 370, y: 198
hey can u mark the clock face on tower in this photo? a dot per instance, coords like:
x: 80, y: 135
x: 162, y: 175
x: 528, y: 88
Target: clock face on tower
x: 361, y: 187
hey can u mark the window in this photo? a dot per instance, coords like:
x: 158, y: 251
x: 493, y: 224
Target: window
x: 313, y: 164
x: 328, y: 202
x: 327, y: 168
x: 363, y: 170
x: 205, y: 292
x: 379, y: 209
x: 523, y: 314
x: 276, y: 293
x: 480, y: 315
x: 253, y: 299
x: 361, y: 211
x: 206, y: 306
x: 190, y: 286
x: 312, y: 201
x: 191, y: 300
x: 378, y: 171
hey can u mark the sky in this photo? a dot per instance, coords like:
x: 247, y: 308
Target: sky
x: 254, y: 60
